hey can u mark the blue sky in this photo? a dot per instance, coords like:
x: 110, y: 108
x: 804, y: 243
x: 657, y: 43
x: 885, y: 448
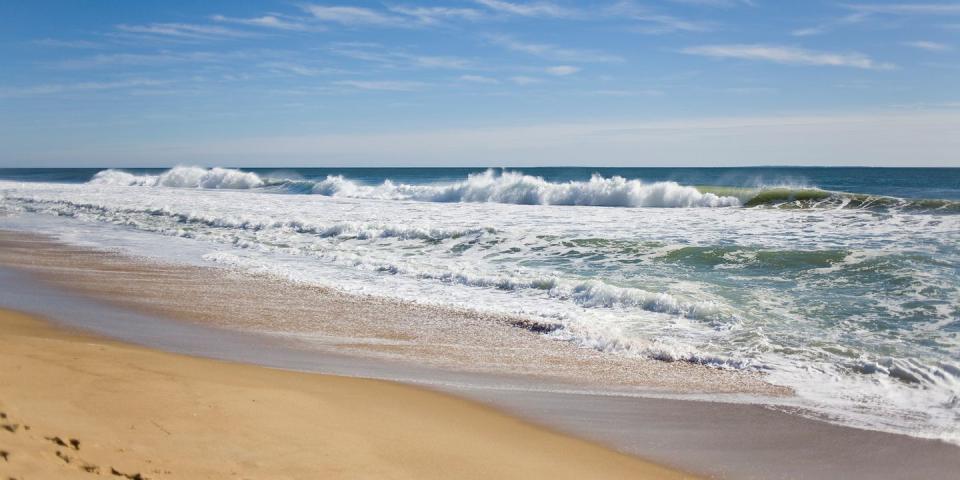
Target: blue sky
x: 482, y: 82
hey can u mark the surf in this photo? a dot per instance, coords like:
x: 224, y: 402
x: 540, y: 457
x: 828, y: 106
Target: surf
x: 489, y: 186
x: 517, y: 188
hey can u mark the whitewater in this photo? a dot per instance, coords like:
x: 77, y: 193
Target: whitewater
x: 851, y: 298
x: 489, y: 186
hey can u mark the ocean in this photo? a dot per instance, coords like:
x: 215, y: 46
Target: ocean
x: 840, y: 283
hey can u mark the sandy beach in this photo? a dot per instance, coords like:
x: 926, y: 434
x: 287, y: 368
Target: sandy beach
x: 136, y: 411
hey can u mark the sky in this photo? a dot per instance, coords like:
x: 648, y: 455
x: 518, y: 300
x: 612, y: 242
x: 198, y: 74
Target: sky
x: 479, y: 83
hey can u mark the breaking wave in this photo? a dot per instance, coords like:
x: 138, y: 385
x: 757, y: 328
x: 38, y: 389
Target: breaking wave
x: 488, y: 186
x: 813, y: 198
x: 183, y: 177
x: 516, y: 188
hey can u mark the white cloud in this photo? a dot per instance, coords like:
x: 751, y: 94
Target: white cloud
x: 553, y: 52
x: 788, y: 56
x: 627, y: 93
x: 78, y: 44
x: 908, y: 8
x: 651, y: 22
x: 154, y: 59
x: 534, y: 9
x: 433, y: 15
x: 371, y: 52
x: 562, y: 70
x: 716, y: 3
x: 668, y: 24
x: 298, y: 69
x: 55, y: 88
x: 353, y: 16
x: 809, y: 31
x: 184, y: 31
x: 385, y: 85
x: 863, y: 12
x: 929, y: 46
x: 479, y: 79
x: 428, y: 61
x: 266, y: 21
x: 824, y: 27
x: 525, y: 80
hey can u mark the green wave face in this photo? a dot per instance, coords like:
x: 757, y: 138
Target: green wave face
x: 808, y: 198
x: 783, y: 196
x: 765, y: 260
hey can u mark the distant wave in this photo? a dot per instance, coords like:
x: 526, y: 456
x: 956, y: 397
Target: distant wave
x: 520, y: 189
x: 791, y: 197
x: 489, y: 186
x: 182, y: 177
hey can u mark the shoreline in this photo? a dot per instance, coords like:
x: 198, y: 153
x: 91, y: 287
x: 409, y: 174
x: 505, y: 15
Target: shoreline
x: 134, y: 410
x: 310, y: 317
x: 694, y: 435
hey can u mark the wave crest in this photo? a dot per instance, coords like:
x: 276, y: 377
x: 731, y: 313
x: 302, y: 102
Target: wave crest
x: 183, y: 177
x: 489, y: 186
x: 517, y: 188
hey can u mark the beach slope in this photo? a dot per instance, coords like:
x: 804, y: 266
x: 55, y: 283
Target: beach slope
x: 75, y: 406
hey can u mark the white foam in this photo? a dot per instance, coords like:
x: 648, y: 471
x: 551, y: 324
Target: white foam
x: 489, y: 186
x: 183, y: 177
x: 517, y: 188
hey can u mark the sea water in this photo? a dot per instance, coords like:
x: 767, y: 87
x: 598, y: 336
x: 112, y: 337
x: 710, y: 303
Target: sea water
x: 842, y: 283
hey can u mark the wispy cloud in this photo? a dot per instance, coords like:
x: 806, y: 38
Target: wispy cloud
x: 649, y: 21
x: 184, y: 31
x: 717, y: 3
x: 77, y: 44
x: 658, y: 24
x: 532, y: 9
x: 907, y: 8
x: 372, y: 52
x: 393, y: 16
x: 479, y: 79
x: 355, y: 16
x: 650, y: 92
x: 553, y: 52
x: 156, y: 59
x: 56, y: 88
x: 864, y: 12
x: 432, y: 61
x: 749, y: 90
x: 383, y: 85
x: 524, y: 80
x: 435, y: 15
x: 652, y: 22
x: 268, y: 21
x: 562, y: 70
x: 826, y: 26
x: 298, y: 69
x: 787, y: 56
x: 929, y: 46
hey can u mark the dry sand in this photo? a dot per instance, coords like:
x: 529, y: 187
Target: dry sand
x: 136, y: 411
